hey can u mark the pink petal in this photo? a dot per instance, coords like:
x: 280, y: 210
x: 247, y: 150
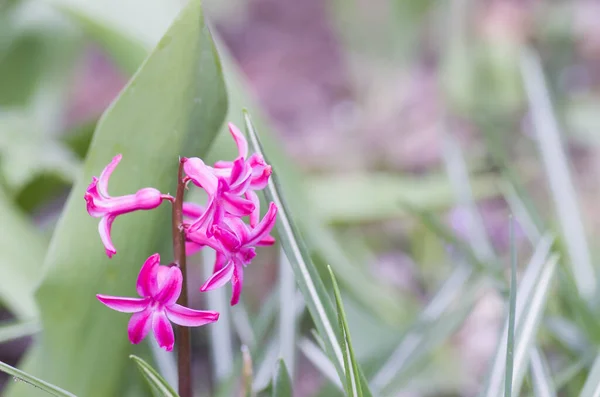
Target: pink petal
x: 237, y: 281
x: 139, y: 326
x: 218, y: 279
x: 171, y: 289
x: 266, y: 241
x: 92, y: 197
x: 105, y: 175
x: 230, y: 241
x: 200, y: 174
x: 261, y: 181
x: 264, y: 226
x: 163, y: 331
x: 220, y: 261
x: 192, y: 210
x: 239, y: 139
x: 238, y: 227
x: 147, y: 283
x: 240, y: 178
x: 223, y: 164
x: 186, y: 317
x: 192, y: 248
x: 104, y: 228
x: 237, y: 206
x: 253, y: 197
x: 124, y: 305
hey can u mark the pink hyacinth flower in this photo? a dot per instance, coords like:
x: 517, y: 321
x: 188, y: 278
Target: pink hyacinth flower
x: 234, y: 242
x: 101, y: 205
x: 224, y: 192
x: 261, y: 171
x: 159, y: 288
x: 191, y: 212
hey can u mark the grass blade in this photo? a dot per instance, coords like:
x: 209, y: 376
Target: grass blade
x: 510, y: 345
x: 543, y: 385
x: 33, y: 381
x: 219, y: 332
x: 591, y: 388
x: 311, y: 285
x: 287, y: 316
x: 18, y: 330
x: 153, y: 378
x: 282, y: 383
x: 353, y: 386
x: 557, y: 171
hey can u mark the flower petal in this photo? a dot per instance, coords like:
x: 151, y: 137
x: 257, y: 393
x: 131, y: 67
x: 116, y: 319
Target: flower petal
x: 147, y: 283
x: 237, y: 281
x: 171, y: 289
x: 220, y: 261
x: 218, y: 279
x: 123, y: 305
x: 230, y: 241
x: 264, y: 227
x: 236, y: 205
x: 192, y: 210
x: 105, y: 175
x: 240, y: 140
x: 192, y: 248
x: 186, y: 317
x: 253, y: 197
x: 200, y: 174
x: 266, y: 241
x: 163, y: 331
x: 104, y: 228
x: 139, y: 325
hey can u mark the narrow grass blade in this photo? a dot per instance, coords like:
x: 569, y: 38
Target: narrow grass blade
x: 557, y: 171
x: 315, y: 355
x: 16, y: 330
x: 220, y: 332
x: 543, y: 385
x: 153, y: 378
x: 353, y: 386
x: 436, y: 307
x: 510, y: 345
x: 527, y: 323
x: 282, y: 383
x: 287, y: 317
x: 247, y: 372
x: 521, y: 212
x: 33, y: 381
x: 591, y: 388
x: 311, y: 285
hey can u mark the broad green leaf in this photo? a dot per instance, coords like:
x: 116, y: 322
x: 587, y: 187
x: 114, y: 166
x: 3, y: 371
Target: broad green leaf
x: 172, y: 107
x: 22, y: 250
x: 31, y: 381
x: 153, y: 378
x: 556, y: 165
x: 354, y: 384
x: 282, y: 384
x: 307, y: 277
x: 16, y: 330
x: 592, y: 384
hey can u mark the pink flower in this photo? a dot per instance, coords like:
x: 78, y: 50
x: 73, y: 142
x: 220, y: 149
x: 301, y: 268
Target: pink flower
x: 159, y: 288
x: 261, y: 171
x: 234, y: 242
x: 101, y: 205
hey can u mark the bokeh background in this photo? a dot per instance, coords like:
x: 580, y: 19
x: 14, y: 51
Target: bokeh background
x: 418, y: 127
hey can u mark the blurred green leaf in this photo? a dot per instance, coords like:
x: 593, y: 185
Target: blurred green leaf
x: 543, y: 385
x: 592, y: 384
x: 172, y: 107
x: 22, y: 250
x: 512, y: 307
x: 16, y: 330
x: 31, y: 380
x: 375, y: 196
x: 354, y: 377
x: 153, y: 378
x: 282, y: 384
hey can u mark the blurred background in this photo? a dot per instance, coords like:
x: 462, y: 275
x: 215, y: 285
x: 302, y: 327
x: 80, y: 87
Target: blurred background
x: 417, y: 127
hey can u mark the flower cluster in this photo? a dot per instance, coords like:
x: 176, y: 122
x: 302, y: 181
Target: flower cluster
x: 231, y: 189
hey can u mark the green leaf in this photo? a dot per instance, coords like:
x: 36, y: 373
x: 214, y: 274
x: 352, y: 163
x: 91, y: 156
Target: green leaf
x: 556, y: 165
x: 22, y: 250
x: 591, y: 388
x: 510, y: 341
x: 172, y: 107
x: 31, y: 380
x: 543, y: 385
x: 282, y: 384
x: 307, y: 277
x: 16, y: 330
x: 153, y: 378
x: 354, y: 386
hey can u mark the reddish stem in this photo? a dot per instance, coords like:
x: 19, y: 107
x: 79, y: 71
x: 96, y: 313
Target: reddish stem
x: 184, y: 342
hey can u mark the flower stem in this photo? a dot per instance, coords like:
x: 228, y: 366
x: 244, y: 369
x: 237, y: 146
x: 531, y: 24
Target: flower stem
x: 184, y: 351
